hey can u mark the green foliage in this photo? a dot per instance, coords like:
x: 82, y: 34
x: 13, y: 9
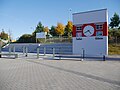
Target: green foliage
x: 68, y: 29
x: 114, y: 49
x: 114, y: 35
x: 114, y: 32
x: 61, y: 30
x: 4, y: 35
x: 115, y: 21
x: 52, y: 31
x: 26, y: 38
x: 39, y: 28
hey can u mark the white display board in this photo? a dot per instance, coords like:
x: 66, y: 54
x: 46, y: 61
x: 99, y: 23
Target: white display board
x: 90, y: 33
x: 41, y: 35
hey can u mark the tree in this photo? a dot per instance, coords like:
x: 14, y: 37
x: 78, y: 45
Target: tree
x: 26, y: 38
x: 39, y: 28
x: 4, y: 35
x: 52, y: 31
x: 46, y: 29
x: 114, y: 35
x: 59, y: 29
x: 68, y: 28
x: 115, y: 21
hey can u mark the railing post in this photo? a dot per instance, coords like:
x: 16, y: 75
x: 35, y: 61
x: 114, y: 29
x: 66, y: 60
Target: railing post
x: 44, y: 51
x: 38, y: 52
x: 9, y: 49
x: 13, y: 49
x: 23, y: 50
x: 53, y: 52
x: 26, y: 49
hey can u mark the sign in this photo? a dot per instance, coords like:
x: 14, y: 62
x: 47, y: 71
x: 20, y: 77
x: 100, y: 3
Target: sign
x: 41, y: 35
x: 90, y: 32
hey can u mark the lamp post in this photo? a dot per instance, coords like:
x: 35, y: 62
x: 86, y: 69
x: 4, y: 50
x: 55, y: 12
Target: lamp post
x: 35, y: 34
x: 70, y: 10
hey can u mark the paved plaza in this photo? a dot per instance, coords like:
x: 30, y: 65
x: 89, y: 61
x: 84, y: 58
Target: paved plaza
x: 47, y: 74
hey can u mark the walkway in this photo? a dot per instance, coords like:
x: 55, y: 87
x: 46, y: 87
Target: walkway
x: 44, y: 74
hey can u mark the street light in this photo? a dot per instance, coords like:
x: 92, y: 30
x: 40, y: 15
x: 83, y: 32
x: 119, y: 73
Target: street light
x: 70, y: 10
x: 35, y: 33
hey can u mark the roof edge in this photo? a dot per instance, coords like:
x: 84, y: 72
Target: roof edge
x: 89, y: 11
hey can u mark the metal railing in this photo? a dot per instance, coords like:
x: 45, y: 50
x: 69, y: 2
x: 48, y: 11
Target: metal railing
x: 56, y: 52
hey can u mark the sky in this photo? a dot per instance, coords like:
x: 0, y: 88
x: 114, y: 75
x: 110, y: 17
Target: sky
x: 22, y: 16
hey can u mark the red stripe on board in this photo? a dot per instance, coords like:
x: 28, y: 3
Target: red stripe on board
x: 74, y: 31
x: 105, y: 29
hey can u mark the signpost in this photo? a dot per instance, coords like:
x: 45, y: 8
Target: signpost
x: 40, y: 35
x: 90, y: 32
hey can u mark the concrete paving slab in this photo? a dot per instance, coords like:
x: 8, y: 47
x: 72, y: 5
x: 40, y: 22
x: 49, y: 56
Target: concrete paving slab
x: 29, y: 73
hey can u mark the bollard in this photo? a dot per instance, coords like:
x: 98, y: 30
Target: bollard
x: 44, y: 51
x: 38, y: 52
x: 9, y: 49
x: 53, y: 52
x: 83, y: 55
x: 13, y: 49
x: 26, y: 51
x: 104, y: 58
x: 23, y: 50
